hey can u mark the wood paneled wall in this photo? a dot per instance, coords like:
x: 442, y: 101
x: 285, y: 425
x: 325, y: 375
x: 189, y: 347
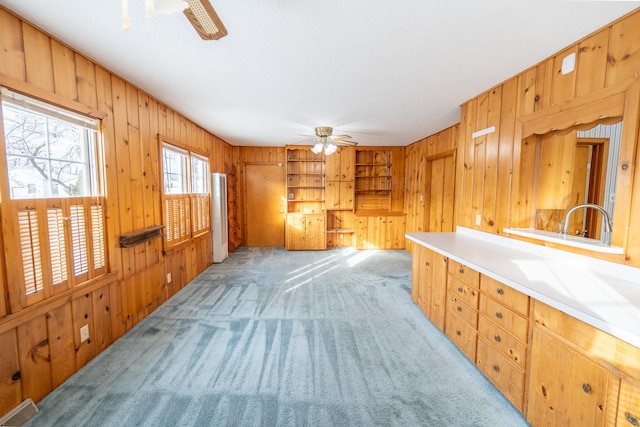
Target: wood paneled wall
x: 41, y: 345
x: 418, y: 156
x: 489, y: 183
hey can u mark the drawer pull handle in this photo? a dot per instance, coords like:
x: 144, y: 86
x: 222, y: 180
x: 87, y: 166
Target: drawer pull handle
x: 497, y: 338
x: 586, y: 388
x: 461, y: 270
x: 499, y: 291
x: 458, y: 333
x: 633, y: 420
x: 459, y: 308
x: 459, y: 289
x: 496, y: 368
x: 498, y: 315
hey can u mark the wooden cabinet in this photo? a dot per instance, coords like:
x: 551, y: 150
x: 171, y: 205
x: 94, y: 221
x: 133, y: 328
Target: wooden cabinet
x: 306, y: 221
x: 462, y: 307
x: 340, y: 179
x: 565, y: 387
x: 305, y: 181
x: 373, y: 180
x: 380, y: 231
x: 305, y: 232
x: 503, y: 329
x: 628, y: 413
x: 428, y: 284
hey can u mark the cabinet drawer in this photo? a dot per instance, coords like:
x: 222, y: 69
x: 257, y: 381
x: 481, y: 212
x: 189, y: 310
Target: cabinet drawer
x: 513, y: 299
x: 464, y: 273
x: 463, y: 291
x: 503, y: 342
x: 628, y: 405
x: 508, y: 320
x: 463, y: 310
x: 462, y: 335
x: 505, y: 376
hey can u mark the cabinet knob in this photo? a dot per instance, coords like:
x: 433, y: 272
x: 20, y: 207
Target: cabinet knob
x: 427, y: 263
x: 458, y: 333
x: 459, y: 289
x: 499, y: 291
x: 586, y: 388
x: 459, y: 308
x: 497, y: 338
x: 496, y: 368
x: 498, y: 315
x: 461, y: 270
x: 633, y: 420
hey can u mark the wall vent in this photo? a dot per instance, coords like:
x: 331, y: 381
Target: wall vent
x: 20, y: 414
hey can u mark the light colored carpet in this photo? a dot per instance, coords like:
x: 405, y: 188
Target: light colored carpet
x: 277, y: 338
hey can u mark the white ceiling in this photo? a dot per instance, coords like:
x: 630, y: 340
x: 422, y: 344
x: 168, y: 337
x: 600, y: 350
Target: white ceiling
x: 387, y: 73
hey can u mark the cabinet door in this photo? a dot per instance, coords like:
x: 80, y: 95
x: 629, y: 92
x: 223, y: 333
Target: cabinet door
x: 565, y: 388
x: 346, y: 195
x: 438, y: 290
x: 332, y: 195
x: 315, y: 232
x: 628, y: 405
x: 296, y: 232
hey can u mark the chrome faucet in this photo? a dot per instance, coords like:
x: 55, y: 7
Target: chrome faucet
x: 608, y: 228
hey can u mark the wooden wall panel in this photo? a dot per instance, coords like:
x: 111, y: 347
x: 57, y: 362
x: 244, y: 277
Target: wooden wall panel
x: 64, y: 70
x: 417, y: 157
x: 592, y: 63
x: 623, y: 56
x: 35, y: 358
x: 11, y: 47
x: 10, y: 383
x: 608, y: 58
x: 45, y: 341
x: 491, y: 161
x: 61, y: 343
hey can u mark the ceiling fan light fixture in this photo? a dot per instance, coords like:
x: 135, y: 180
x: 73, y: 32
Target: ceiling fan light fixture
x: 317, y: 149
x: 330, y: 149
x: 205, y: 20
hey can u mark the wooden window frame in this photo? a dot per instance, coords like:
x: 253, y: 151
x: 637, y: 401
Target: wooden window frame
x: 52, y: 244
x: 186, y: 216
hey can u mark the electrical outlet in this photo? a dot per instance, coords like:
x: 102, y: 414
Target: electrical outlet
x: 84, y: 333
x: 478, y: 219
x: 168, y: 277
x: 340, y: 236
x: 421, y: 197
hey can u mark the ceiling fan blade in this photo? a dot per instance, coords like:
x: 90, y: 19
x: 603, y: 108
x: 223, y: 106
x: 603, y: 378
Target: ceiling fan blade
x: 205, y: 20
x: 340, y: 141
x: 341, y: 137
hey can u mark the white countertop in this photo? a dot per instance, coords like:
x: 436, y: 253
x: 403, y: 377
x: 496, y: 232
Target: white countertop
x: 603, y: 294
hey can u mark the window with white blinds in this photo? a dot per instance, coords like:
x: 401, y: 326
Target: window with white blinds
x: 186, y: 194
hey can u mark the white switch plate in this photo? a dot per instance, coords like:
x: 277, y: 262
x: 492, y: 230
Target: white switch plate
x: 84, y: 333
x: 168, y: 277
x: 478, y: 219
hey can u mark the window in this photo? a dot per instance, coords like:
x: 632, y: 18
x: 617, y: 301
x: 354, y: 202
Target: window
x: 186, y: 194
x: 54, y: 205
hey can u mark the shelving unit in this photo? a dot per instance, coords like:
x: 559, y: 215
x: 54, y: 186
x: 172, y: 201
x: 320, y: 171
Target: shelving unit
x: 306, y: 215
x: 373, y: 180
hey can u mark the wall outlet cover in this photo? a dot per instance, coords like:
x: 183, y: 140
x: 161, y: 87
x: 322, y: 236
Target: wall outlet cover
x: 84, y: 333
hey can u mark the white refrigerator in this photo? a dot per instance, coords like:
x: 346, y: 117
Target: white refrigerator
x: 219, y: 220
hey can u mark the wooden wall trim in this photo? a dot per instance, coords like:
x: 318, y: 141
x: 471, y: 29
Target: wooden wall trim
x: 14, y: 320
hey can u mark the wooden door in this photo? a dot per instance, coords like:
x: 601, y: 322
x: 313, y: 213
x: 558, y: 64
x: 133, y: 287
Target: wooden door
x: 265, y: 201
x: 440, y: 191
x: 315, y: 231
x: 565, y: 388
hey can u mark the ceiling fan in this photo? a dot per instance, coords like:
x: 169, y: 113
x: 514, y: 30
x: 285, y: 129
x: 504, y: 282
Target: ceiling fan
x: 199, y: 12
x: 327, y: 142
